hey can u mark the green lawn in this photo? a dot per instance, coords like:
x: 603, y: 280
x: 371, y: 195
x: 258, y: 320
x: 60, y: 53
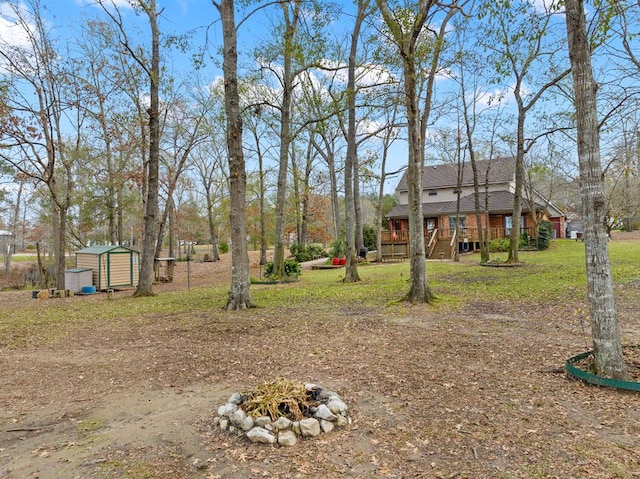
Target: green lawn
x: 547, y: 277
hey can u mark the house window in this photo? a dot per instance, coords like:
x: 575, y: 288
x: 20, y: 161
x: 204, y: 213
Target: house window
x: 430, y: 224
x: 432, y: 192
x: 508, y: 224
x: 462, y: 223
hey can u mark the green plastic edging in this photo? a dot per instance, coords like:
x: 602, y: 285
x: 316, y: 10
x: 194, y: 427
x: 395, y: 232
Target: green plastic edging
x: 593, y: 379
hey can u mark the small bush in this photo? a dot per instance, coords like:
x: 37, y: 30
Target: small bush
x: 292, y: 269
x: 499, y: 244
x: 223, y: 247
x: 307, y: 253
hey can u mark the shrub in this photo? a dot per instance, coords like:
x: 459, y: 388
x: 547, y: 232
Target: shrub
x: 223, y: 247
x: 292, y: 269
x: 499, y: 244
x: 307, y: 253
x: 369, y: 237
x: 525, y: 240
x: 545, y: 231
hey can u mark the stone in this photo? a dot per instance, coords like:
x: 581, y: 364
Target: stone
x: 325, y: 396
x: 310, y: 427
x: 258, y: 434
x: 262, y: 421
x: 224, y: 423
x: 323, y: 412
x: 282, y: 423
x: 329, y: 411
x: 341, y: 420
x: 227, y: 410
x: 287, y: 438
x: 337, y: 406
x: 239, y: 418
x: 236, y: 398
x: 326, y: 426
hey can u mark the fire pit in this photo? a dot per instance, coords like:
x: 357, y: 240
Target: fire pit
x: 282, y: 411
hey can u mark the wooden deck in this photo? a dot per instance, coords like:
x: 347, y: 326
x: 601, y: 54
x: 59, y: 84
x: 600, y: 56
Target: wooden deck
x: 439, y: 244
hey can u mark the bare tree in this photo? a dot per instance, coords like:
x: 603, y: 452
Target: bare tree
x: 32, y: 132
x: 350, y: 168
x: 183, y: 131
x: 151, y: 68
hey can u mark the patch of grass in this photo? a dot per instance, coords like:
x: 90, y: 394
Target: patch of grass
x: 18, y: 258
x: 547, y: 277
x: 139, y: 470
x: 88, y: 427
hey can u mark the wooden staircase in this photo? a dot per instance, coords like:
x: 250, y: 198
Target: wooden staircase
x: 441, y: 250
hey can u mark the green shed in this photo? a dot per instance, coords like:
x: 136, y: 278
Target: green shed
x: 113, y: 266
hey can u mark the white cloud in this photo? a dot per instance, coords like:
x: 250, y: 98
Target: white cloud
x: 106, y: 3
x: 15, y: 26
x: 546, y: 6
x: 367, y: 75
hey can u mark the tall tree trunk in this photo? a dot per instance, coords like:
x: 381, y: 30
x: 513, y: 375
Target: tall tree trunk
x: 297, y: 196
x: 419, y: 292
x: 514, y: 237
x: 335, y: 203
x: 172, y: 229
x: 351, y: 161
x: 607, y: 345
x: 120, y: 233
x: 357, y: 205
x: 239, y: 293
x: 386, y: 144
x: 291, y: 25
x: 306, y: 192
x: 262, y: 201
x: 145, y: 282
x: 11, y: 249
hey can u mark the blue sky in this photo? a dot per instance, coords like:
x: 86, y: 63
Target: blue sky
x: 183, y: 16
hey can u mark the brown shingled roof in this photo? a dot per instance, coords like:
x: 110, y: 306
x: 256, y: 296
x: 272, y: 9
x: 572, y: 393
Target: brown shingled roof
x: 445, y: 175
x: 500, y: 202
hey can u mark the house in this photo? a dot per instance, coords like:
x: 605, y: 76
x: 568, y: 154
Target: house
x: 113, y: 266
x: 573, y: 226
x: 440, y: 202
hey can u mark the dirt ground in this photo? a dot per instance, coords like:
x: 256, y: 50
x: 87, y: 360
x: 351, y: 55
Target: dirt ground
x: 475, y: 393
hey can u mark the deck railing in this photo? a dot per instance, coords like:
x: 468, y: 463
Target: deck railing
x: 470, y: 234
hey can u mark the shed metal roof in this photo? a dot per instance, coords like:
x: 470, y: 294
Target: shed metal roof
x: 98, y: 250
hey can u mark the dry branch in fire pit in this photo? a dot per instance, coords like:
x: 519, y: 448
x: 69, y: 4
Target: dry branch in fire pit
x: 281, y: 397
